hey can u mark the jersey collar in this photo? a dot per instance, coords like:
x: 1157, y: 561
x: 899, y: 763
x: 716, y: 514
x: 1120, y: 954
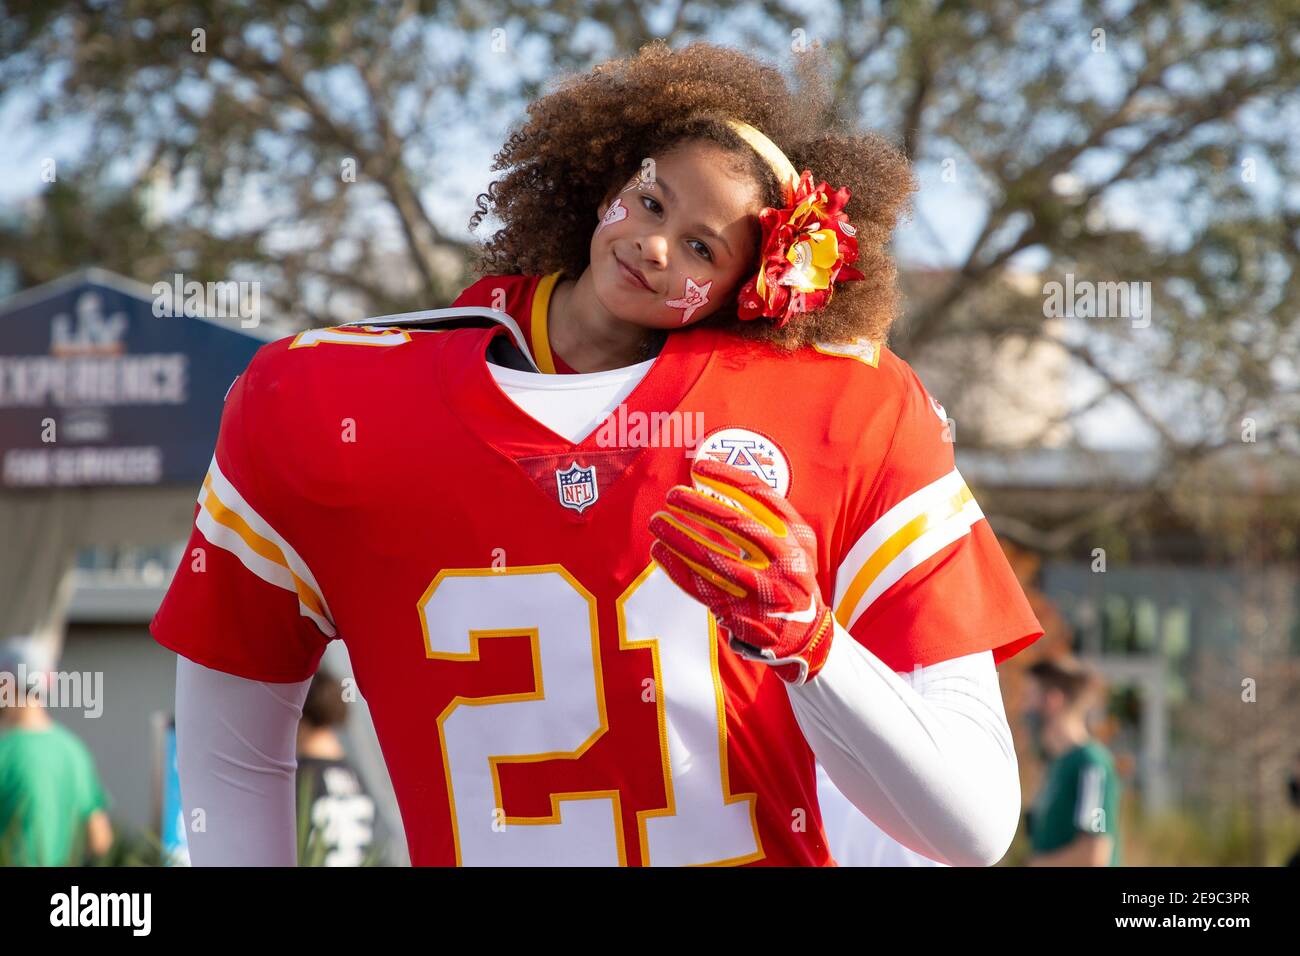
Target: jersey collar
x: 468, y: 388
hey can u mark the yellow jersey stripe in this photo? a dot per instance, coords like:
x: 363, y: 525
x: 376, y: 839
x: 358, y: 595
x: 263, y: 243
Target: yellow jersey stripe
x: 896, y: 544
x: 261, y: 546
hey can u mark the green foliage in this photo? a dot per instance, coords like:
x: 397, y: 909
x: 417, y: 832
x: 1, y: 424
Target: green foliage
x: 1224, y: 838
x: 131, y: 847
x: 1188, y: 838
x: 11, y: 841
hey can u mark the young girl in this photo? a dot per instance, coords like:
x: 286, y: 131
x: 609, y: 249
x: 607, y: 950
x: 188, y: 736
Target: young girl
x: 619, y: 615
x: 682, y: 144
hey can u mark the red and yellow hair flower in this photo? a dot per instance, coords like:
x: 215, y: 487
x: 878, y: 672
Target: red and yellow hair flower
x: 807, y: 247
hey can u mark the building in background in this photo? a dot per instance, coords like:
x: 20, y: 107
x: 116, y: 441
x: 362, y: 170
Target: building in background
x: 110, y: 400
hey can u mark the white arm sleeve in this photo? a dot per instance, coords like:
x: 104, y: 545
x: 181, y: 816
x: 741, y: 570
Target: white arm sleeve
x: 927, y: 756
x: 236, y: 754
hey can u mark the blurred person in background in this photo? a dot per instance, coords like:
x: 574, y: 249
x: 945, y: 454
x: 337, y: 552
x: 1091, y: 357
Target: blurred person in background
x: 53, y: 809
x: 1074, y: 820
x: 340, y: 813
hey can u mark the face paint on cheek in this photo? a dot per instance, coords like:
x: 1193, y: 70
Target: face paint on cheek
x: 695, y: 297
x: 616, y: 212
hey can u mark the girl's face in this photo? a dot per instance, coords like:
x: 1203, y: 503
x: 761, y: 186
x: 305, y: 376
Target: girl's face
x: 678, y: 240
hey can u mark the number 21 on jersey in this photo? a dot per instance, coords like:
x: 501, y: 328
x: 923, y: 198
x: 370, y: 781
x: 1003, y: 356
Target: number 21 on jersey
x: 703, y: 823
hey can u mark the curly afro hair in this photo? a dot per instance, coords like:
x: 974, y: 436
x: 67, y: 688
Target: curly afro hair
x: 590, y: 134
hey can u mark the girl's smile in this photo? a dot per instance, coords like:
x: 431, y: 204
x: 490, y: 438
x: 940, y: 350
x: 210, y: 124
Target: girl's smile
x: 635, y: 277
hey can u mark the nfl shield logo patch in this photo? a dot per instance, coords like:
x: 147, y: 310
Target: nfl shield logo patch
x: 577, y: 486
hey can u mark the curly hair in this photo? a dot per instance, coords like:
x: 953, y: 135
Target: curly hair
x: 590, y: 134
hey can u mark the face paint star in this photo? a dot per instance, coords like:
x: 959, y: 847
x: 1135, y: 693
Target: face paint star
x: 695, y: 298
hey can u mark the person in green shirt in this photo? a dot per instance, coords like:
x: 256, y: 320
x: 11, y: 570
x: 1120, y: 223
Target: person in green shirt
x: 1074, y: 820
x: 53, y: 809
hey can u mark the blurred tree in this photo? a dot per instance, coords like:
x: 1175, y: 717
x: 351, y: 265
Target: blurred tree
x: 306, y: 145
x: 1112, y: 144
x: 291, y: 142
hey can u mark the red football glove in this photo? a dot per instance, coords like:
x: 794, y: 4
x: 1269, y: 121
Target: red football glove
x: 739, y: 549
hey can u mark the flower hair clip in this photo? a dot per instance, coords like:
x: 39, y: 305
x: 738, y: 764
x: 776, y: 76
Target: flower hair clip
x: 807, y: 247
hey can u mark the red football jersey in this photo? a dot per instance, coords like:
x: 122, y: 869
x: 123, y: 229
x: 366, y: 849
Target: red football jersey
x: 542, y: 692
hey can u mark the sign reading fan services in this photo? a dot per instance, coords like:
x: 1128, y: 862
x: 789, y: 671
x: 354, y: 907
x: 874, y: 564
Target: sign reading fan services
x: 96, y: 390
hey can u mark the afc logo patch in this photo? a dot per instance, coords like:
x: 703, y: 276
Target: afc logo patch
x: 755, y: 453
x: 577, y: 486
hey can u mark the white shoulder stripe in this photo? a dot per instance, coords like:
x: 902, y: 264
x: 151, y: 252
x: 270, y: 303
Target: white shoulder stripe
x: 229, y: 522
x: 223, y: 537
x: 891, y: 521
x: 905, y: 536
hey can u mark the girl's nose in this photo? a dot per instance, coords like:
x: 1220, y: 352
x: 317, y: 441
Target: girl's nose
x: 654, y: 248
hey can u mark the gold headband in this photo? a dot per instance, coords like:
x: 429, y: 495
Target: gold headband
x: 771, y: 153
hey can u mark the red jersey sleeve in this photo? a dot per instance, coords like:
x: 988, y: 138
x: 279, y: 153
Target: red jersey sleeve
x: 924, y: 579
x: 243, y: 601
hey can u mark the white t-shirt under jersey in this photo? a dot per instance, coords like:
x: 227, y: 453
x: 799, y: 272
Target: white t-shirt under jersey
x: 570, y: 405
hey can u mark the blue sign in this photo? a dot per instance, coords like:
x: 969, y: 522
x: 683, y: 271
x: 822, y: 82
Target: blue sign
x: 101, y: 385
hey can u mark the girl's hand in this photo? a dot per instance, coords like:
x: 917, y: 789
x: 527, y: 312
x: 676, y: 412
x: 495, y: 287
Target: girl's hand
x: 737, y: 547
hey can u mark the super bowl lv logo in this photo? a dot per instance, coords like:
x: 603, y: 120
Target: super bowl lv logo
x: 90, y: 333
x: 577, y: 487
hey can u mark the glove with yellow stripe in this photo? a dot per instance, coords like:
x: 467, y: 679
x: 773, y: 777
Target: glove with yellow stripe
x: 738, y: 548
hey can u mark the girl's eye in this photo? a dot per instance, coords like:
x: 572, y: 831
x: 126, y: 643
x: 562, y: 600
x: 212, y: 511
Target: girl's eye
x: 652, y: 204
